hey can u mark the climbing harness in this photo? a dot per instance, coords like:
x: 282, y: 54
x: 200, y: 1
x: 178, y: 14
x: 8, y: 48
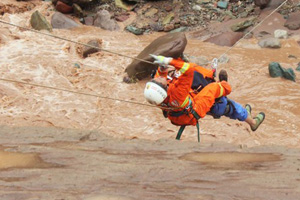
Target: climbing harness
x: 187, y: 110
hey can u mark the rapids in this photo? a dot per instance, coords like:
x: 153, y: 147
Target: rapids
x: 38, y: 59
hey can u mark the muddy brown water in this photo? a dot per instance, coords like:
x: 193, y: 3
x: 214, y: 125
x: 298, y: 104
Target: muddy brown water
x: 96, y: 148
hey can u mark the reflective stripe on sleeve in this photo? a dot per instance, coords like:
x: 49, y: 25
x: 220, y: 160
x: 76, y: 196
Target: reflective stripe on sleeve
x: 185, y: 102
x: 221, y: 90
x: 184, y: 68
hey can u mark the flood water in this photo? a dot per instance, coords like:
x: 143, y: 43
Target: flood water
x: 43, y: 60
x: 58, y: 144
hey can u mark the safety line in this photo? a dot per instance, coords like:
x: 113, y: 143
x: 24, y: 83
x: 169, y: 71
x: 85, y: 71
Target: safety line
x: 80, y: 43
x: 75, y: 92
x: 253, y: 29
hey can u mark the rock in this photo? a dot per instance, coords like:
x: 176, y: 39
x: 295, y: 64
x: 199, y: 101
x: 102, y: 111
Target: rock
x: 134, y: 30
x: 180, y: 29
x: 60, y: 21
x: 226, y: 39
x: 293, y: 22
x: 281, y: 34
x: 122, y: 4
x: 169, y: 27
x: 168, y: 18
x: 168, y: 7
x: 298, y: 67
x: 243, y: 24
x: 197, y: 7
x: 275, y: 70
x: 222, y: 4
x: 151, y: 12
x: 269, y: 43
x: 103, y: 20
x: 39, y: 22
x: 156, y: 27
x: 84, y: 3
x: 122, y: 17
x: 89, y: 21
x: 261, y: 3
x: 203, y: 1
x: 89, y: 50
x: 171, y: 45
x: 77, y: 10
x: 63, y: 8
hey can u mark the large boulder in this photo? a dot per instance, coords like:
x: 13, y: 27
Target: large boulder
x: 275, y: 70
x: 103, y: 20
x: 226, y: 39
x: 293, y: 22
x: 261, y: 3
x: 60, y: 21
x: 170, y: 45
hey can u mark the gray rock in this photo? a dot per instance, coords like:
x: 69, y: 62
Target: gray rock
x: 269, y: 43
x: 242, y: 25
x: 61, y: 21
x: 293, y: 22
x: 171, y: 45
x: 103, y: 20
x: 281, y: 34
x: 134, y: 30
x: 89, y: 50
x: 226, y: 39
x: 39, y: 22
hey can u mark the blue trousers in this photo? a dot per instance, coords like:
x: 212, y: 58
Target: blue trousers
x: 236, y: 110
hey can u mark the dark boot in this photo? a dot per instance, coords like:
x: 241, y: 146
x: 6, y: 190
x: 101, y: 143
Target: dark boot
x: 223, y: 76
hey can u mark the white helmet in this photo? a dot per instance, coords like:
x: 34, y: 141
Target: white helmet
x: 154, y: 93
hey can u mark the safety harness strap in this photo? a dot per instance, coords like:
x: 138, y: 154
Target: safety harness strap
x: 181, y: 129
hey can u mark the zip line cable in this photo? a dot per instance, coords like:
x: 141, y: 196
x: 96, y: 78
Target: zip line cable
x: 119, y: 54
x: 79, y: 43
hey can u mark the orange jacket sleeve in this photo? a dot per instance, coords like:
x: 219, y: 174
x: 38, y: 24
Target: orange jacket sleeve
x: 179, y: 90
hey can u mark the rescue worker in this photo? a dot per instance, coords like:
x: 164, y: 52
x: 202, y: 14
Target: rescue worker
x: 184, y: 107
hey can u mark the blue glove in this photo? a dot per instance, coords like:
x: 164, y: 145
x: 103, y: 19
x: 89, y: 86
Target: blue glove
x: 161, y: 60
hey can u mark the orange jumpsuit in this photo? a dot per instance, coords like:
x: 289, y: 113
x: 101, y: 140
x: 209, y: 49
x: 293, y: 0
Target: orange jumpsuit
x: 180, y: 97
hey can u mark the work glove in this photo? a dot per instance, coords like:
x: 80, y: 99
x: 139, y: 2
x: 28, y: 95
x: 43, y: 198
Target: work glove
x: 161, y: 60
x: 214, y: 66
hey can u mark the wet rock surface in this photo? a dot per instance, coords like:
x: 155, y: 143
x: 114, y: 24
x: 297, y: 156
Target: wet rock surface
x: 100, y: 167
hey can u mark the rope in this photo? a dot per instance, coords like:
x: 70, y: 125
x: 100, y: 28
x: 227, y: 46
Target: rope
x: 79, y: 43
x: 75, y: 92
x: 253, y: 28
x: 83, y: 93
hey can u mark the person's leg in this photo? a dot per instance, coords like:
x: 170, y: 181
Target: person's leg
x: 236, y: 111
x: 254, y: 122
x: 205, y: 99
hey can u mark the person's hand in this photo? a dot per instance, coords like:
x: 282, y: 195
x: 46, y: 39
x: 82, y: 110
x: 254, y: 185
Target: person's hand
x: 161, y: 60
